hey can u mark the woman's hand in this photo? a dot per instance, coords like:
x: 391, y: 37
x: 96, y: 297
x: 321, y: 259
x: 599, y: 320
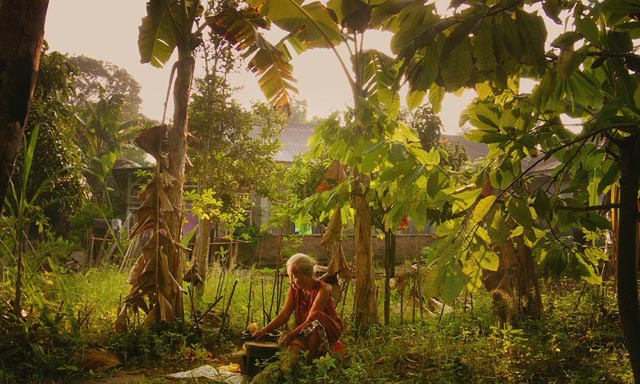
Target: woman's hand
x: 259, y: 334
x: 285, y: 339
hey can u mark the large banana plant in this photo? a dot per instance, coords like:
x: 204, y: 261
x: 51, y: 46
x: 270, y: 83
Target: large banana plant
x: 170, y: 26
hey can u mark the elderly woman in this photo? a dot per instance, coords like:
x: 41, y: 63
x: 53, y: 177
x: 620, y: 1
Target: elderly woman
x: 317, y: 325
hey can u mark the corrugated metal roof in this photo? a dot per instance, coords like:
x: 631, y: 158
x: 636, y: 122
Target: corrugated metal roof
x: 294, y: 138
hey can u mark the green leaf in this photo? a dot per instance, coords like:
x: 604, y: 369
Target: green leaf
x: 156, y: 36
x: 460, y: 34
x: 497, y: 228
x: 397, y: 153
x: 485, y: 58
x: 465, y: 199
x: 352, y: 14
x: 542, y: 204
x: 533, y: 34
x: 566, y: 40
x: 487, y: 260
x: 519, y: 210
x: 275, y: 73
x: 455, y: 281
x: 415, y: 98
x: 588, y: 28
x: 482, y: 208
x: 552, y: 9
x: 457, y: 70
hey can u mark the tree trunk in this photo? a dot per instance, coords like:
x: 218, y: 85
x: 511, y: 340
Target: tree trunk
x: 627, y: 276
x: 389, y: 265
x: 365, y: 297
x: 177, y: 149
x: 201, y: 254
x: 528, y: 285
x: 21, y: 36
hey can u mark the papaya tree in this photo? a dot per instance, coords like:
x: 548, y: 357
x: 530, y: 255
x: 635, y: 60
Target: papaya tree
x: 176, y: 25
x: 543, y: 181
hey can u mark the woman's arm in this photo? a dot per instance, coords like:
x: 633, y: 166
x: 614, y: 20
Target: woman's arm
x: 281, y: 319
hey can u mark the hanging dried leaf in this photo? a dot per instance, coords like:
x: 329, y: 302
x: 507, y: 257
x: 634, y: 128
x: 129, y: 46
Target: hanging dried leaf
x: 168, y: 179
x: 151, y: 317
x: 153, y: 140
x: 334, y: 229
x: 336, y: 172
x: 121, y: 324
x: 165, y: 203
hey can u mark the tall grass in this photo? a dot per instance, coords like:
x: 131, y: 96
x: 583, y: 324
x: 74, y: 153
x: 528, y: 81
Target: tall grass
x: 577, y: 341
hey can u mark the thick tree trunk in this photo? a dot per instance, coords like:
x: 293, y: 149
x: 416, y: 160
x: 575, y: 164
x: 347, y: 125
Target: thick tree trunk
x: 365, y: 298
x: 528, y: 285
x: 177, y: 149
x: 21, y: 36
x: 627, y: 275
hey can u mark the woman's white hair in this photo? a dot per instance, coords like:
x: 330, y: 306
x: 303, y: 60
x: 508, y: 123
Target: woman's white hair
x: 304, y: 264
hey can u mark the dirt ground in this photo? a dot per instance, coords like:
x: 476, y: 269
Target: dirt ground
x: 134, y: 377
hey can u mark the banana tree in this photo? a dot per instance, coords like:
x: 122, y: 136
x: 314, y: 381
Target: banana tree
x: 172, y: 25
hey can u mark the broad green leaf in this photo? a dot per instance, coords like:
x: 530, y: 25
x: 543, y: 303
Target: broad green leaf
x: 465, y: 199
x: 542, y: 204
x: 352, y: 14
x: 309, y: 25
x: 457, y: 37
x: 552, y: 9
x: 412, y: 23
x: 497, y: 228
x: 520, y: 212
x: 587, y: 28
x: 485, y: 58
x: 517, y: 231
x: 379, y: 75
x: 435, y: 183
x: 487, y: 259
x: 436, y: 97
x: 566, y: 40
x: 482, y: 208
x: 156, y: 36
x: 457, y: 70
x: 533, y: 34
x: 275, y: 73
x: 592, y: 222
x: 415, y: 98
x: 409, y: 180
x: 611, y: 173
x: 397, y: 153
x: 455, y: 281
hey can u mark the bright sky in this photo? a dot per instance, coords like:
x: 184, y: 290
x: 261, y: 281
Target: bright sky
x: 108, y: 31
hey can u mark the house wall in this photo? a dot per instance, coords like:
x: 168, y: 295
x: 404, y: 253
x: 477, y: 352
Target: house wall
x: 265, y: 252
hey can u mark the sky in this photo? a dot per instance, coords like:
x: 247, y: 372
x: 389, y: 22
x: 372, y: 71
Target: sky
x: 108, y: 31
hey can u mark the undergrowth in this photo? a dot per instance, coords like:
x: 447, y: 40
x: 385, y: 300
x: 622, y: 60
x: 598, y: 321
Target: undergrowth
x: 577, y: 340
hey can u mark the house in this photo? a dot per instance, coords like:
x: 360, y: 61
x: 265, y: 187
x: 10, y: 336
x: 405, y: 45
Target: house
x: 294, y: 138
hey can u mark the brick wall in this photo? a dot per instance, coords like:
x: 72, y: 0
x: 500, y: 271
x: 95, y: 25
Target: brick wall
x: 266, y: 251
